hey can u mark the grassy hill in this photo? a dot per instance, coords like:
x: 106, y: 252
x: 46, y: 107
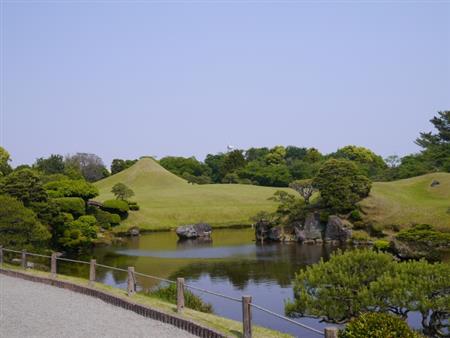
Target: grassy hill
x: 410, y: 201
x: 167, y: 200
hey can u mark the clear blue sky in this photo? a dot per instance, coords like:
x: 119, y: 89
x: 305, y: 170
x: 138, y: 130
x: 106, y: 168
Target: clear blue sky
x: 123, y: 79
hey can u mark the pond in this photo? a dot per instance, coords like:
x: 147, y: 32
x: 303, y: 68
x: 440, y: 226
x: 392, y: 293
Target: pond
x: 231, y: 263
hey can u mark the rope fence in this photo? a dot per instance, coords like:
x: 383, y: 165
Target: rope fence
x: 246, y: 301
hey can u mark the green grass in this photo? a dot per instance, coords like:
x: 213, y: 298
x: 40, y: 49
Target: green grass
x: 167, y: 201
x: 410, y: 201
x: 230, y: 328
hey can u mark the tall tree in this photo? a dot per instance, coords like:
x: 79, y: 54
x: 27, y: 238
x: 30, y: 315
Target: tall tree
x: 24, y: 185
x: 54, y: 164
x: 122, y: 191
x: 91, y: 166
x: 5, y: 168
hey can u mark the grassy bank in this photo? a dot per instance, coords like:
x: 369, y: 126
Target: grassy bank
x: 229, y: 327
x: 410, y: 201
x: 168, y: 201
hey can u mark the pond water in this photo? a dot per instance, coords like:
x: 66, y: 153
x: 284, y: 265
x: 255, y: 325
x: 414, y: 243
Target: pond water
x: 231, y: 263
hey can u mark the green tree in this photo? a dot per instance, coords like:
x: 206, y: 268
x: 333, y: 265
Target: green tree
x: 436, y: 146
x: 336, y: 290
x: 215, y: 163
x: 416, y: 286
x: 54, y: 164
x: 19, y: 226
x: 122, y: 191
x: 369, y: 162
x: 24, y: 185
x: 79, y: 234
x: 89, y: 165
x: 276, y: 155
x: 5, y: 168
x: 275, y: 175
x: 118, y: 165
x: 341, y: 185
x: 304, y: 187
x: 232, y: 161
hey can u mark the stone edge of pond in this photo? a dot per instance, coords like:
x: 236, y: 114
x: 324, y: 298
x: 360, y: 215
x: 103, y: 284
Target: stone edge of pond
x: 181, y: 323
x: 126, y: 233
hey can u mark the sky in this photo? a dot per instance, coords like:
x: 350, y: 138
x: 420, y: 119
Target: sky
x: 124, y: 79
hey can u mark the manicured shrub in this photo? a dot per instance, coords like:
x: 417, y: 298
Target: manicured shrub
x: 134, y: 207
x: 376, y: 230
x: 89, y: 219
x: 169, y: 294
x: 118, y: 207
x: 71, y: 188
x: 378, y: 325
x: 381, y: 245
x: 107, y: 219
x: 72, y: 205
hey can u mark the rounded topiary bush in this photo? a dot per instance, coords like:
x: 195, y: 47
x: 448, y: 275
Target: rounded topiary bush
x: 71, y: 205
x: 378, y: 325
x: 118, y: 207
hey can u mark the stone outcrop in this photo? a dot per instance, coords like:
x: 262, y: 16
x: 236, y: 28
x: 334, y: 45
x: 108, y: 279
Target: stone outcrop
x: 266, y: 231
x: 338, y: 229
x: 194, y: 231
x: 311, y: 230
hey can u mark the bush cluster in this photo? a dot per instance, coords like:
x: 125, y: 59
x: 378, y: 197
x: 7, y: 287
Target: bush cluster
x: 169, y: 294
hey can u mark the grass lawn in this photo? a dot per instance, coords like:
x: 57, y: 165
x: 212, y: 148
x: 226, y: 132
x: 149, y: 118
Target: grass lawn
x: 168, y: 201
x: 410, y: 201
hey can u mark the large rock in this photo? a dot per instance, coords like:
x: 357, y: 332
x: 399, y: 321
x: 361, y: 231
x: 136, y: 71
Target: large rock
x: 194, y: 231
x: 311, y: 231
x: 338, y: 229
x: 265, y: 231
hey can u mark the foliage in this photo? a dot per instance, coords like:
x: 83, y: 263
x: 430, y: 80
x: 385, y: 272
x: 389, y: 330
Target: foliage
x: 106, y: 219
x: 89, y: 165
x: 118, y: 165
x: 118, y: 207
x: 5, y: 168
x: 19, y: 226
x: 290, y: 208
x: 202, y: 179
x: 424, y: 234
x: 183, y: 166
x: 72, y: 205
x: 276, y: 156
x: 341, y: 185
x: 25, y: 185
x: 360, y: 236
x: 304, y: 187
x: 275, y: 175
x: 79, y: 234
x: 192, y: 301
x: 369, y: 163
x: 71, y: 188
x: 336, y: 290
x: 54, y: 164
x: 416, y: 286
x: 381, y: 245
x: 122, y: 191
x: 362, y: 281
x: 355, y: 216
x: 377, y: 325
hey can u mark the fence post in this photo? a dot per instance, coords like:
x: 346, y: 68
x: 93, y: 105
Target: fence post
x: 92, y: 272
x: 247, y: 316
x: 53, y: 265
x: 24, y: 259
x: 1, y: 256
x: 131, y: 281
x: 331, y: 332
x: 180, y: 294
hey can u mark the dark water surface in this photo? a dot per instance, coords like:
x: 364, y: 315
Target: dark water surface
x: 231, y: 263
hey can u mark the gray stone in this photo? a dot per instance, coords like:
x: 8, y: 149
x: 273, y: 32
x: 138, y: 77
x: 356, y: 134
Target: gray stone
x: 338, y: 229
x: 194, y: 231
x: 435, y: 183
x: 312, y: 228
x: 134, y: 231
x: 275, y: 234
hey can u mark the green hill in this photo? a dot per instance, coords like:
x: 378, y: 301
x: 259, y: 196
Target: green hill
x: 167, y: 200
x: 409, y: 201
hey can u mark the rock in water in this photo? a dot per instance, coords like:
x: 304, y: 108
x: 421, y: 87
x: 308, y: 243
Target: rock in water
x: 312, y: 229
x: 337, y: 229
x: 194, y: 231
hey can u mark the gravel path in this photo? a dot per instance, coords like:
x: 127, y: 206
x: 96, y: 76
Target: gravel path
x: 29, y: 309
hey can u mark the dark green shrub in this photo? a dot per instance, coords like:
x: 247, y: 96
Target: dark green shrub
x: 376, y: 230
x: 324, y: 216
x: 118, y: 207
x: 194, y: 302
x: 395, y: 227
x: 71, y: 188
x: 106, y: 219
x: 88, y: 219
x: 72, y: 205
x: 355, y: 216
x: 134, y: 207
x: 378, y: 325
